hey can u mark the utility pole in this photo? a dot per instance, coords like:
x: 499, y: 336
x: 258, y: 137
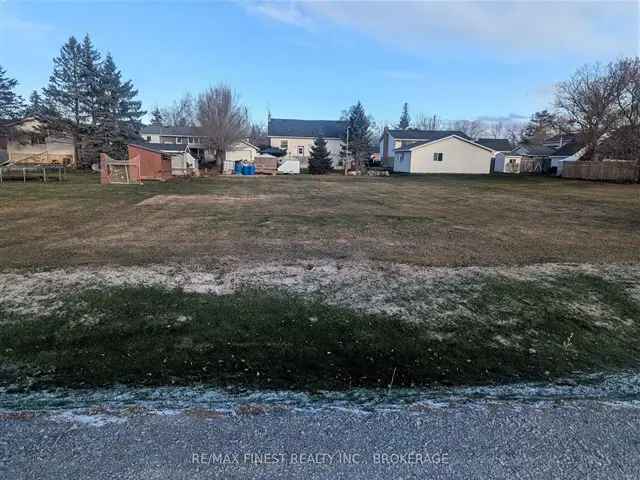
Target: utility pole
x: 346, y: 160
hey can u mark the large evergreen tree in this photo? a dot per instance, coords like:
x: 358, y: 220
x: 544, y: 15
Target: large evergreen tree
x: 10, y: 102
x: 319, y: 158
x: 36, y: 105
x: 359, y: 125
x: 89, y: 80
x: 405, y: 119
x: 119, y: 114
x: 542, y: 125
x: 156, y: 117
x: 64, y: 94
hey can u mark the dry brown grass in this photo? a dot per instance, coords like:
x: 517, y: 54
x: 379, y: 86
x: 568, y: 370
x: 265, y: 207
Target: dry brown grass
x: 426, y: 220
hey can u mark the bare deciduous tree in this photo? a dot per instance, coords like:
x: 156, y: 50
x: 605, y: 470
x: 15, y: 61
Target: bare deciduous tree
x: 430, y: 122
x: 222, y: 119
x: 588, y: 99
x: 181, y: 113
x: 513, y: 132
x: 471, y: 128
x: 258, y: 134
x: 497, y: 129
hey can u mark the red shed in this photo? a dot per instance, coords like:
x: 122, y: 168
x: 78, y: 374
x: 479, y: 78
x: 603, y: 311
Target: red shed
x: 154, y: 165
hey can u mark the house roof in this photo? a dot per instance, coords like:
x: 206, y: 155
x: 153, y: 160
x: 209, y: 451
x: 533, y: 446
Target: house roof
x: 286, y: 127
x: 163, y: 147
x: 565, y: 137
x: 425, y: 142
x: 171, y: 131
x: 568, y: 149
x: 418, y: 135
x: 496, y: 144
x: 533, y: 150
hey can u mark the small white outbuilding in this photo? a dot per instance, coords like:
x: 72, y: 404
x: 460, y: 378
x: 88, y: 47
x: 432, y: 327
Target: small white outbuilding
x: 451, y: 154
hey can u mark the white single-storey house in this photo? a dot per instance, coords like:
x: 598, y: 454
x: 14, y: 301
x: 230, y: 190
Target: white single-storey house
x: 451, y: 154
x: 393, y: 140
x: 296, y: 137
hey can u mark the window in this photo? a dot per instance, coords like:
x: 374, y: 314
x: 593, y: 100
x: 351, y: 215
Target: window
x: 38, y: 139
x: 437, y: 157
x: 301, y: 150
x: 178, y: 139
x: 148, y: 138
x: 284, y: 144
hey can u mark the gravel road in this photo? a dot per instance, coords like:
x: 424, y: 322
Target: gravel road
x: 512, y: 440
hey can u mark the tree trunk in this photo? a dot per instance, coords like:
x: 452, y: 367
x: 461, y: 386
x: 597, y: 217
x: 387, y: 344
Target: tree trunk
x: 220, y: 160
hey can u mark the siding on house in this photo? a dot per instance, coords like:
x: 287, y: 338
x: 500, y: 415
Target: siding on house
x: 33, y: 148
x: 458, y: 156
x: 297, y: 137
x: 241, y: 151
x: 297, y: 144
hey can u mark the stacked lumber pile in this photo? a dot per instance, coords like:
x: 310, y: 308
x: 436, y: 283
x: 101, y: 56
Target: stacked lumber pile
x: 266, y: 165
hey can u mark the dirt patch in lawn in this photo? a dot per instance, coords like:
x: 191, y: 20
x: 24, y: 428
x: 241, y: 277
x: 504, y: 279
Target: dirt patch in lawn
x: 206, y: 199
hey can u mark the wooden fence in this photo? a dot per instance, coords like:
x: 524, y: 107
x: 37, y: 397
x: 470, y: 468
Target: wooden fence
x: 41, y: 158
x: 606, y: 170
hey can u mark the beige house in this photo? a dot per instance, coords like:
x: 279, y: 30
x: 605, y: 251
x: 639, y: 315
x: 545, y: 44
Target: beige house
x: 451, y: 154
x: 393, y: 140
x: 34, y: 147
x: 296, y: 137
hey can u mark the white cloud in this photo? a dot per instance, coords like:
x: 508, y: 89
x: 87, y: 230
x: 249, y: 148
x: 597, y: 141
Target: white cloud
x: 288, y: 13
x: 533, y: 28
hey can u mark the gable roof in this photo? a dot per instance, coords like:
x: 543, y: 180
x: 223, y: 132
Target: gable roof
x: 496, y: 144
x: 568, y: 149
x: 415, y: 145
x: 171, y: 131
x: 163, y: 147
x: 418, y: 135
x: 286, y: 127
x: 533, y: 150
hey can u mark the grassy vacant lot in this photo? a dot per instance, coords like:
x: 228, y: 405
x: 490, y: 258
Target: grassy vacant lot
x: 424, y: 220
x: 472, y: 328
x: 509, y: 330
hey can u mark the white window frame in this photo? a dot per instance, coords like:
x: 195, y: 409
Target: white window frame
x: 300, y: 150
x: 438, y: 156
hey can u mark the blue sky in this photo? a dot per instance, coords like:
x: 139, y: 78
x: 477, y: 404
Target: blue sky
x: 460, y: 60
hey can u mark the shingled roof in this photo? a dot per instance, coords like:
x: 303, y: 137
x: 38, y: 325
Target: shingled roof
x: 287, y: 127
x: 568, y: 149
x: 533, y: 150
x: 428, y: 135
x: 163, y: 147
x: 171, y: 131
x: 496, y: 144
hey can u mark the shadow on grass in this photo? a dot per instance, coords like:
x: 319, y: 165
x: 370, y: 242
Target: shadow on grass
x: 153, y: 336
